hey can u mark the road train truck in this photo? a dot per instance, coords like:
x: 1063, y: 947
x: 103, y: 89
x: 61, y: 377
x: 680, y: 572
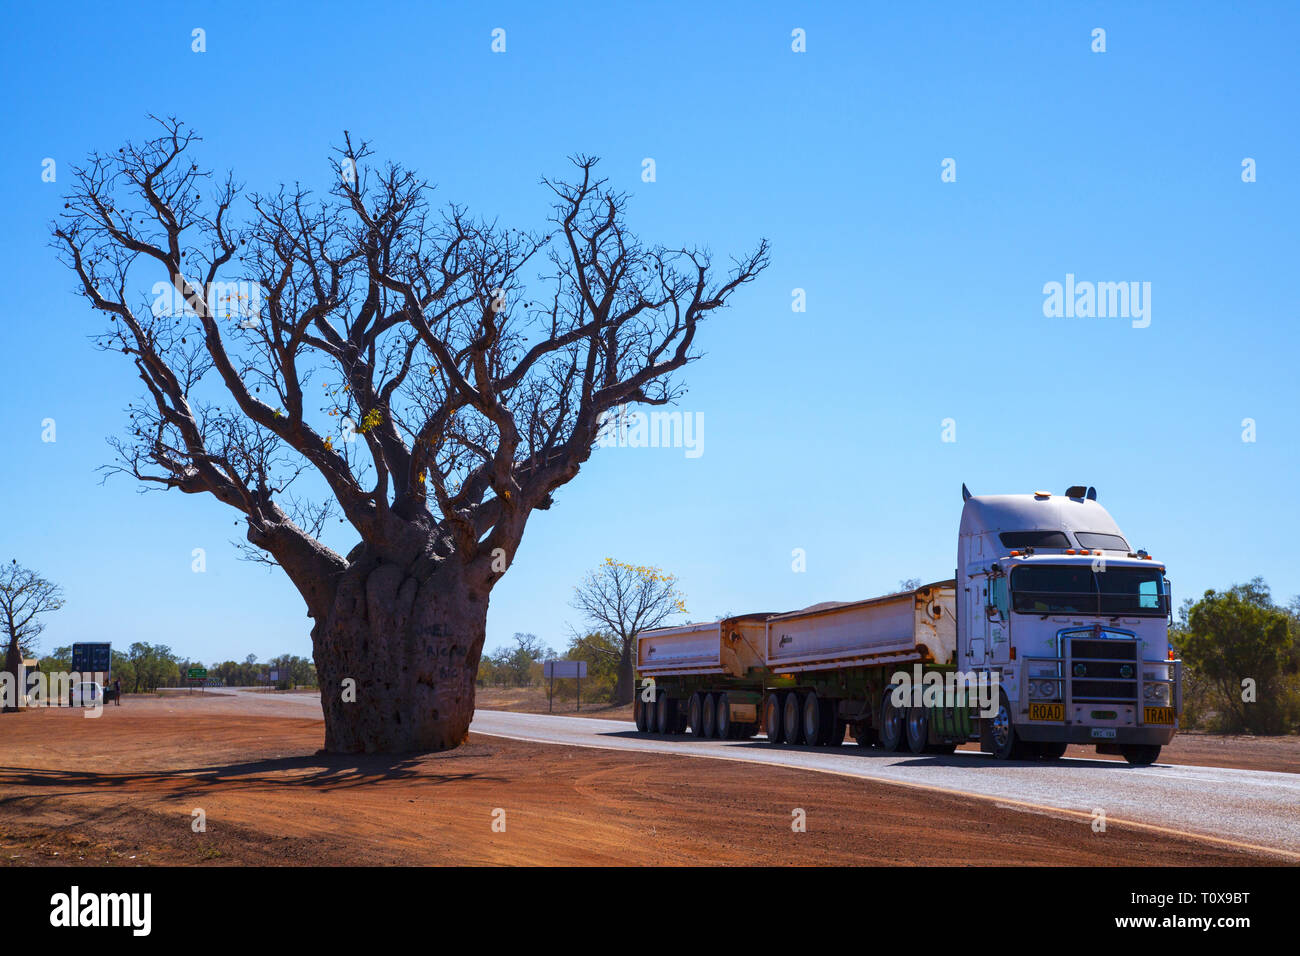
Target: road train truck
x: 1053, y: 631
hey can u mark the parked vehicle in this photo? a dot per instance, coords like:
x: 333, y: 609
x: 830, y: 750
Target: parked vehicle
x: 87, y: 693
x: 1051, y: 615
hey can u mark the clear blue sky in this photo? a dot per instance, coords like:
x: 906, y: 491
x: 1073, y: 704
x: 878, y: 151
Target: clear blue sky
x: 822, y: 429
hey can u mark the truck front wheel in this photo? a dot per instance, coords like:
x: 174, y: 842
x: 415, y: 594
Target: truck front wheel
x: 891, y: 723
x: 1007, y: 744
x: 1140, y: 755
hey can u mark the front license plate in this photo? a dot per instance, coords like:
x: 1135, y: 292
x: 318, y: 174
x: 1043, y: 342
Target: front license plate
x: 1157, y: 715
x: 1047, y: 712
x: 1104, y: 733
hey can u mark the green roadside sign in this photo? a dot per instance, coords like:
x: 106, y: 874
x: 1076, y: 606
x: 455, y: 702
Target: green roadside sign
x: 197, y: 673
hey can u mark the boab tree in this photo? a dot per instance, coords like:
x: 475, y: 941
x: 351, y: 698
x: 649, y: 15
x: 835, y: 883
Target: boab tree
x: 24, y: 597
x: 398, y: 352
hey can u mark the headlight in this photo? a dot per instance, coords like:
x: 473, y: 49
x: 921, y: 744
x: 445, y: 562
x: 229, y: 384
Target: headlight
x: 1157, y: 693
x: 1042, y: 689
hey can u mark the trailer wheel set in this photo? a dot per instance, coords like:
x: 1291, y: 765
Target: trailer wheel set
x: 704, y: 715
x: 790, y: 717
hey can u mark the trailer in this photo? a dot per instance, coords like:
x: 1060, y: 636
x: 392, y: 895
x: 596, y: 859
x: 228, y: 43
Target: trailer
x: 713, y: 677
x: 1052, y: 631
x: 802, y: 676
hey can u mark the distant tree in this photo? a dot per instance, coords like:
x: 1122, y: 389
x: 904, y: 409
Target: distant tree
x: 1241, y: 635
x: 517, y: 662
x: 293, y: 671
x: 152, y: 666
x: 909, y: 584
x: 25, y: 597
x: 627, y: 599
x: 489, y: 675
x: 60, y: 660
x: 122, y: 667
x: 601, y: 650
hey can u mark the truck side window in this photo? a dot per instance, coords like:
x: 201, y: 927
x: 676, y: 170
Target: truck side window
x: 998, y: 596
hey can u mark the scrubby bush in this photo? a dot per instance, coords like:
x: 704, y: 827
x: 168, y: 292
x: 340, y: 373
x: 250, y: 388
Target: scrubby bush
x: 1242, y: 661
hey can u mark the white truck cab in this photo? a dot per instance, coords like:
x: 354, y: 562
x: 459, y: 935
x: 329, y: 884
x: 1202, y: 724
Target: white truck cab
x: 1074, y: 621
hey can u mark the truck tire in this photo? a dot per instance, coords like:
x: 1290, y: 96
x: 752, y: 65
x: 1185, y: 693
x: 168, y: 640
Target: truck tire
x: 680, y: 718
x: 814, y: 730
x: 708, y: 717
x: 722, y: 722
x: 773, y: 706
x: 665, y: 714
x: 918, y: 729
x: 642, y: 715
x: 792, y: 718
x: 1007, y: 744
x: 1140, y: 755
x: 892, y: 720
x: 835, y: 727
x: 694, y: 715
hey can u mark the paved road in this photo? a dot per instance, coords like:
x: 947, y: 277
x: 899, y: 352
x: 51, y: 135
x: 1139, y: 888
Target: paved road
x: 1250, y: 807
x: 1240, y: 806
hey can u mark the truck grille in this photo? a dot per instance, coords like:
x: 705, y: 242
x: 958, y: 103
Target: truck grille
x: 1103, y: 671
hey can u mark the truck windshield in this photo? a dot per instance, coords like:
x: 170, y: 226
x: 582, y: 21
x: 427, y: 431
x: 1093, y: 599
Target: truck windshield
x: 1080, y: 590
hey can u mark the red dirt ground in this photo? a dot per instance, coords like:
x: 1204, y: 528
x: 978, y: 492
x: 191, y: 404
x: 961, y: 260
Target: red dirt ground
x: 121, y: 790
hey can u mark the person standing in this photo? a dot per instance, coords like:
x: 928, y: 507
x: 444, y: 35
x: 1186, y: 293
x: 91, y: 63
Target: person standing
x: 117, y: 691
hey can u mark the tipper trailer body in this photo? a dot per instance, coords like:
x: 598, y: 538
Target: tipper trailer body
x: 1053, y: 631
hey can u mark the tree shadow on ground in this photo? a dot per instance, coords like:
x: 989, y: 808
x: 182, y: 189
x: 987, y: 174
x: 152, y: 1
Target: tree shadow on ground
x: 320, y: 771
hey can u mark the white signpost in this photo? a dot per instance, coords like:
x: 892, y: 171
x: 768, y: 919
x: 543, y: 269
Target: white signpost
x: 563, y: 669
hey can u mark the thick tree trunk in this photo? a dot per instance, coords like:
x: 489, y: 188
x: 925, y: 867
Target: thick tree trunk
x: 625, y: 681
x: 13, y: 657
x: 396, y: 657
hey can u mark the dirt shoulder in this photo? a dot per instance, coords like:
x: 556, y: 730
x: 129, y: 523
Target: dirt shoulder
x: 532, y: 700
x: 122, y: 790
